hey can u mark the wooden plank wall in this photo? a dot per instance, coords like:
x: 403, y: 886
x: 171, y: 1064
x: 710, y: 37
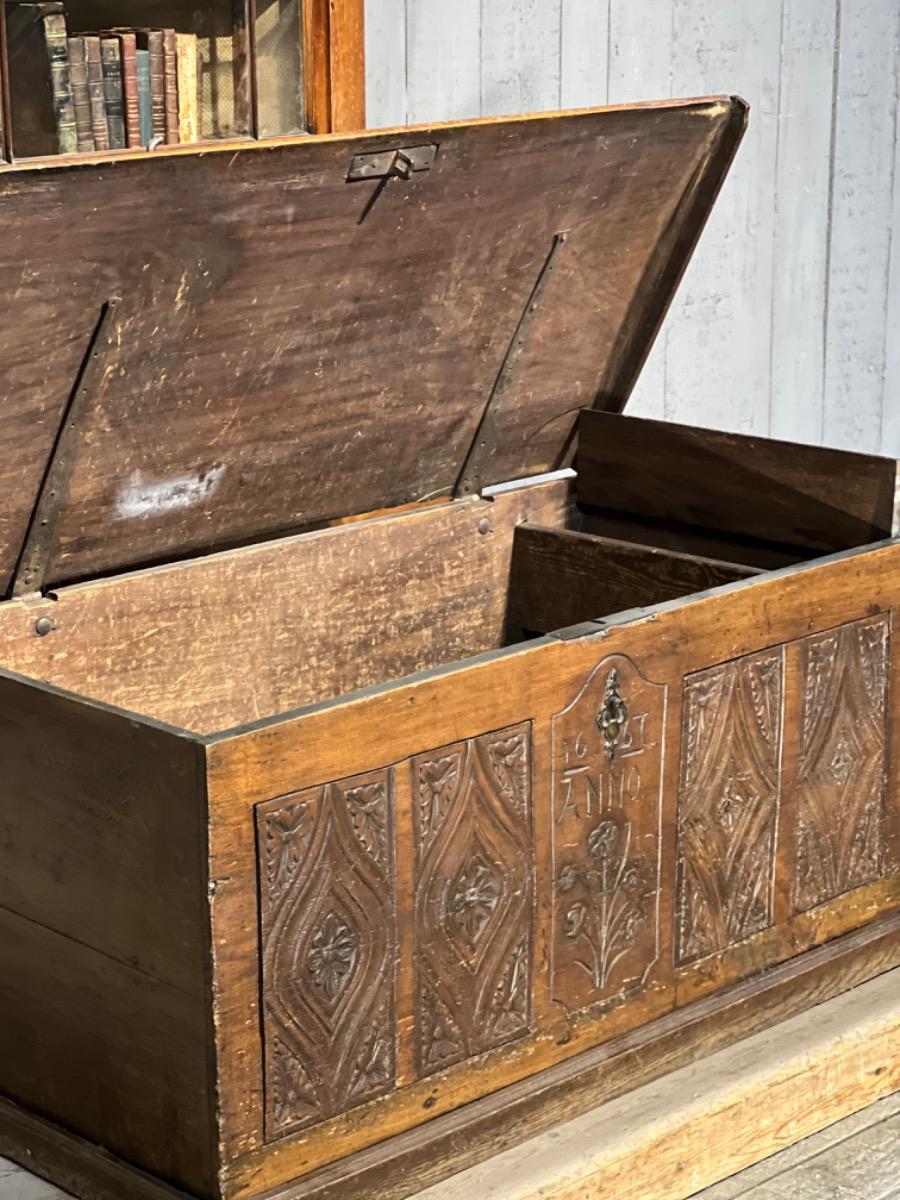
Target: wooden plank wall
x: 788, y: 321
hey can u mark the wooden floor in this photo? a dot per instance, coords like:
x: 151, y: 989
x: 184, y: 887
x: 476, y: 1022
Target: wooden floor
x: 856, y: 1159
x: 794, y: 1085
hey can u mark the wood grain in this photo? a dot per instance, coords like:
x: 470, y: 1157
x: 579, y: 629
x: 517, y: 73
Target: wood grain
x: 804, y: 496
x: 407, y: 593
x: 707, y: 1121
x: 107, y: 1052
x: 450, y: 1143
x: 242, y: 386
x: 562, y: 577
x: 534, y: 682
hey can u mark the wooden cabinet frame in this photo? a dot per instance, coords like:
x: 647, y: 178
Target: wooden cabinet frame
x: 333, y: 64
x: 334, y: 60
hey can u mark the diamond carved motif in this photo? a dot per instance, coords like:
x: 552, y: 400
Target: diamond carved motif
x: 329, y: 937
x: 474, y: 888
x: 728, y: 803
x: 841, y: 773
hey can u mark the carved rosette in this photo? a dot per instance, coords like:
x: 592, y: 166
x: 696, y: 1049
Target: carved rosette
x: 728, y: 803
x: 328, y: 930
x: 839, y: 833
x: 474, y: 881
x: 607, y: 810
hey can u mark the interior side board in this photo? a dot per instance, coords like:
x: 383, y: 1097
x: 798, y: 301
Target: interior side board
x: 715, y: 879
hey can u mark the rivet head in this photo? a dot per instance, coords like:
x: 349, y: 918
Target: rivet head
x: 43, y: 626
x: 484, y: 525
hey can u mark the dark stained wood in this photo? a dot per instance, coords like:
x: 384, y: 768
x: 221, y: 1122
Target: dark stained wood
x: 107, y: 1052
x: 304, y: 365
x: 105, y: 1005
x: 103, y: 830
x: 810, y: 497
x: 416, y: 1159
x: 562, y: 577
x: 309, y: 618
x: 683, y: 539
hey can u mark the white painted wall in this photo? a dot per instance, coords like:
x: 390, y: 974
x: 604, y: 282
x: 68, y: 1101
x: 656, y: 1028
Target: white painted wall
x: 788, y: 320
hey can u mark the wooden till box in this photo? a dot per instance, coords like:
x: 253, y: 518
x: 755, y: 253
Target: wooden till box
x: 377, y: 789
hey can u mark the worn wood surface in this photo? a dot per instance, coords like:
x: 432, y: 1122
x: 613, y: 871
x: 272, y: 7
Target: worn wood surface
x: 562, y: 577
x: 854, y: 1159
x: 710, y: 1119
x: 401, y: 1166
x: 805, y: 496
x: 104, y: 1001
x: 400, y: 342
x: 561, y: 686
x: 312, y: 617
x: 802, y: 235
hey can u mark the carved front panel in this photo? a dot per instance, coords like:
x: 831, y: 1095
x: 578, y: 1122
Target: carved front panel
x: 607, y: 809
x: 328, y: 929
x: 840, y: 786
x: 728, y: 803
x: 474, y: 869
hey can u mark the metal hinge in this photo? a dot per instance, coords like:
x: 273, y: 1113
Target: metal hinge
x: 386, y: 164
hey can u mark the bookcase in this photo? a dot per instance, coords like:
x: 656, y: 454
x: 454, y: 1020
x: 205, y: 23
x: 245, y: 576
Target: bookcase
x: 108, y: 76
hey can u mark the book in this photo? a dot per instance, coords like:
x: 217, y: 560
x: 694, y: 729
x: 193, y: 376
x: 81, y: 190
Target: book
x: 143, y: 87
x: 111, y: 59
x: 43, y: 111
x: 170, y: 77
x: 128, y: 52
x: 61, y: 84
x: 81, y: 97
x: 151, y: 40
x: 96, y: 91
x: 187, y: 52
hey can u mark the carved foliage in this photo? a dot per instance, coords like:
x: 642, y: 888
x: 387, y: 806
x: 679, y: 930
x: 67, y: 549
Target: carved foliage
x: 607, y: 808
x: 474, y: 881
x: 841, y: 769
x: 328, y: 921
x: 728, y: 803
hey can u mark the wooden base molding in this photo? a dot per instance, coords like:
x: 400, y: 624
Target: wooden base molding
x: 488, y: 1127
x: 714, y: 1118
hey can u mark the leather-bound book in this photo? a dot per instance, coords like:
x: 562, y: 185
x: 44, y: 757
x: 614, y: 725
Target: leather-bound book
x: 60, y: 82
x: 170, y: 70
x: 96, y: 91
x: 111, y: 58
x: 152, y: 41
x: 81, y: 96
x: 144, y: 100
x: 128, y: 52
x: 188, y: 55
x: 43, y: 114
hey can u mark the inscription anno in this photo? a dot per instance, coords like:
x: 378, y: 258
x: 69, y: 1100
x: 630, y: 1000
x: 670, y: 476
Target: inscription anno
x: 607, y: 809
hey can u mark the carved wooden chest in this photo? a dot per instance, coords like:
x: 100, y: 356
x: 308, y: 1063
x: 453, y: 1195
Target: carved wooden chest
x: 378, y: 789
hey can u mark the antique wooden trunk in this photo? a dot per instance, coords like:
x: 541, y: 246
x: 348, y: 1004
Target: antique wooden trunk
x: 378, y: 788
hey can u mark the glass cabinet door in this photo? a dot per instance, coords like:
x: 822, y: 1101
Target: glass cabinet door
x: 101, y: 75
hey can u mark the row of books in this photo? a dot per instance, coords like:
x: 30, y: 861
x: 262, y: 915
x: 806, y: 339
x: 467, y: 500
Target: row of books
x: 109, y: 90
